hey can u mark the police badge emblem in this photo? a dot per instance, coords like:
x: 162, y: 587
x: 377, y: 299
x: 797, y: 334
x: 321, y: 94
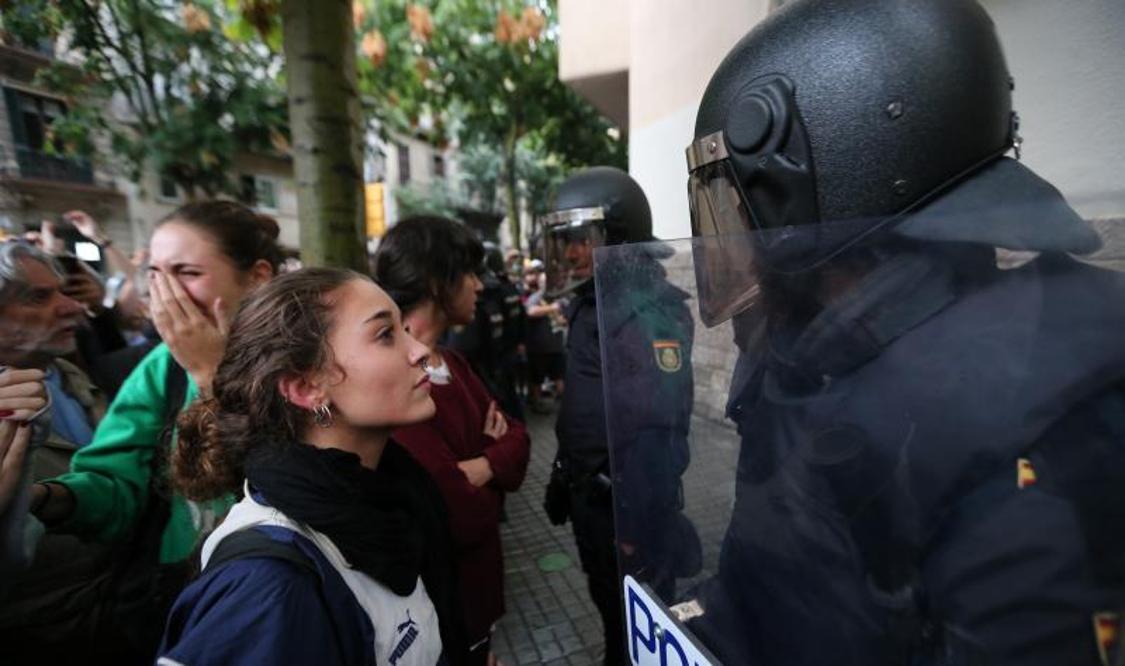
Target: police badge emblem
x: 667, y: 353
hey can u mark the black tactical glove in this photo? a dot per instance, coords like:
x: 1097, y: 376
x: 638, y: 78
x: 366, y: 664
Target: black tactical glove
x: 556, y: 500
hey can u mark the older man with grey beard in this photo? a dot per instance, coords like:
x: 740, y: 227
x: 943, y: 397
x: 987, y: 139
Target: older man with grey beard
x: 49, y: 607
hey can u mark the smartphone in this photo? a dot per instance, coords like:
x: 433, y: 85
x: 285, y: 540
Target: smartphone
x: 70, y: 264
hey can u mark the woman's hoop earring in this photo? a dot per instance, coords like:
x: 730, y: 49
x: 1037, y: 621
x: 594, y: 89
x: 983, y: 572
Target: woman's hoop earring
x: 322, y: 415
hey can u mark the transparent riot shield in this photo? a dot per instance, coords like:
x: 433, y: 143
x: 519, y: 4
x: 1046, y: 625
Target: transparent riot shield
x: 911, y: 453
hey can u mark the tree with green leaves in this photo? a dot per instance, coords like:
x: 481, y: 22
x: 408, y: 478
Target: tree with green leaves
x: 485, y: 73
x: 160, y: 80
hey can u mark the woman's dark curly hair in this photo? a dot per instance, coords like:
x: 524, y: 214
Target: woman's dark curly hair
x: 423, y: 258
x: 281, y: 330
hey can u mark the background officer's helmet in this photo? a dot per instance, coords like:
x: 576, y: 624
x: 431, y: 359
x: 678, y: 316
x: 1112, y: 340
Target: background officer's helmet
x: 594, y: 207
x: 493, y: 261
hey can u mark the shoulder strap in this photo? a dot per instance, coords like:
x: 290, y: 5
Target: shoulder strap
x: 175, y: 390
x: 248, y: 543
x: 148, y: 534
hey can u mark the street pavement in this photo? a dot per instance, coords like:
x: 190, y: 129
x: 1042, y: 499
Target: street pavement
x: 549, y: 619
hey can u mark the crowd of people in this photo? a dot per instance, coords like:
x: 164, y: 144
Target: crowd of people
x: 210, y: 458
x: 360, y: 423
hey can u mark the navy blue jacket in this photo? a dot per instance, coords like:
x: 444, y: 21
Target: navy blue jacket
x: 650, y: 333
x: 937, y: 482
x: 269, y: 611
x: 580, y: 427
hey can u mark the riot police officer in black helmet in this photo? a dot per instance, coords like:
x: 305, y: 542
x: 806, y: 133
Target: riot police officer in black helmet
x: 513, y: 329
x: 598, y: 207
x: 932, y: 468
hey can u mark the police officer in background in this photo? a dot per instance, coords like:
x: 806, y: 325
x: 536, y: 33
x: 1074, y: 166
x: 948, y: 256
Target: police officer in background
x: 513, y: 329
x: 491, y: 342
x: 932, y: 467
x: 596, y: 207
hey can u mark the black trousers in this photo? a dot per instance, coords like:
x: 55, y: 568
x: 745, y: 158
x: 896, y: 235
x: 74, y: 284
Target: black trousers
x: 591, y: 517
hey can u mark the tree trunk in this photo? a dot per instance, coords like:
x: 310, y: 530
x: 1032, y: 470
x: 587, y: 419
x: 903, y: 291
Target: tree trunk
x: 327, y: 138
x: 510, y: 187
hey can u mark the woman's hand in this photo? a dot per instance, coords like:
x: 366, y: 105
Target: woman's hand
x: 22, y: 394
x: 478, y: 470
x: 495, y: 425
x: 195, y: 340
x: 87, y: 226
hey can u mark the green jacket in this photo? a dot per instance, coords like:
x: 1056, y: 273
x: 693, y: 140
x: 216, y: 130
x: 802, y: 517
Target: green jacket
x: 110, y: 476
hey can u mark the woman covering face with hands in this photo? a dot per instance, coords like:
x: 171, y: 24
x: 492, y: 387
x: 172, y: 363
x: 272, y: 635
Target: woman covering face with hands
x: 472, y: 449
x: 205, y: 257
x: 199, y: 270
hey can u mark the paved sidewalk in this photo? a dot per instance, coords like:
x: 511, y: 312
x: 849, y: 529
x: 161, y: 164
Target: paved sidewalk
x: 550, y: 618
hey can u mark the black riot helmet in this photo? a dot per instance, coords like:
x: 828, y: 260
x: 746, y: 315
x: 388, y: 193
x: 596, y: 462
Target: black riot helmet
x: 594, y: 207
x: 494, y: 259
x: 829, y: 121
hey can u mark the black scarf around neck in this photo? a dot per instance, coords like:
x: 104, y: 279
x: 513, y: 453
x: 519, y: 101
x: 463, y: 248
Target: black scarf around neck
x: 390, y: 522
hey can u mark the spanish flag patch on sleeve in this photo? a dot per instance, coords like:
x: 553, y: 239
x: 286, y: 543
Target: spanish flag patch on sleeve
x: 1025, y: 473
x: 1106, y: 628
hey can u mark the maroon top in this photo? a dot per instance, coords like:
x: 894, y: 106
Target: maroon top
x: 454, y: 434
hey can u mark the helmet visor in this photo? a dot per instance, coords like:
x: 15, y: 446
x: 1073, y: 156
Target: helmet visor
x: 724, y: 247
x: 570, y: 240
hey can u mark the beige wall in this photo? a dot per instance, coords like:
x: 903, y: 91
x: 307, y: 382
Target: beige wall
x: 674, y: 49
x: 597, y: 37
x: 675, y: 46
x: 596, y: 58
x: 1066, y: 59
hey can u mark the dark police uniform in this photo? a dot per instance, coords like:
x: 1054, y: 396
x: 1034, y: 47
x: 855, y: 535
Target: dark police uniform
x: 512, y: 335
x: 932, y: 465
x: 932, y: 479
x: 650, y: 322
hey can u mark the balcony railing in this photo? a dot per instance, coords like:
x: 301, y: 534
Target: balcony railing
x: 36, y: 164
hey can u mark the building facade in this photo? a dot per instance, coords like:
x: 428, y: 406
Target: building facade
x: 38, y: 183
